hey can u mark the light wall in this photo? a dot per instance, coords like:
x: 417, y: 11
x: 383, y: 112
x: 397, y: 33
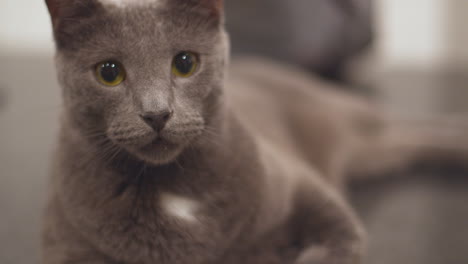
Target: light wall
x: 24, y: 27
x: 410, y: 32
x: 422, y: 33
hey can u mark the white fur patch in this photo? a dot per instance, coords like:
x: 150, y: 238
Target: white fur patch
x: 126, y: 3
x: 179, y: 207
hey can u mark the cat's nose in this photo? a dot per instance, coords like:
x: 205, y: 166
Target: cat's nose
x: 157, y: 120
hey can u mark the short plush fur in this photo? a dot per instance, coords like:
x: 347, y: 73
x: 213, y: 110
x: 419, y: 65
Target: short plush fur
x: 250, y: 168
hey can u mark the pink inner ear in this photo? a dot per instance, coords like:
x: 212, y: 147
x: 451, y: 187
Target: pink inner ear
x: 53, y: 6
x: 216, y: 6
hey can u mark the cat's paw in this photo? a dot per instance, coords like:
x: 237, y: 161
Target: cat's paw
x: 323, y: 255
x: 313, y: 255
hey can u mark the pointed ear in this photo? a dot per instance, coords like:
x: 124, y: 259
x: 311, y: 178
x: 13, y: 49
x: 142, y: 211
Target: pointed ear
x: 215, y: 7
x: 69, y: 15
x: 212, y: 8
x: 70, y: 9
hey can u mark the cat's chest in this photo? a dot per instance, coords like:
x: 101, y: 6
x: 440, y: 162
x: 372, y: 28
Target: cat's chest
x: 126, y: 3
x: 181, y: 208
x: 278, y: 246
x: 169, y: 228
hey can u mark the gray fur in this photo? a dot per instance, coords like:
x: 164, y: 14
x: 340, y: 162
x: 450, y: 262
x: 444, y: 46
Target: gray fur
x: 263, y: 153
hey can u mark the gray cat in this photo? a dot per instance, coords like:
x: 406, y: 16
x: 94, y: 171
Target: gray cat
x: 164, y: 159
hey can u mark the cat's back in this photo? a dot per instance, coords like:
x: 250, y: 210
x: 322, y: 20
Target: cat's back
x: 268, y: 96
x: 294, y: 111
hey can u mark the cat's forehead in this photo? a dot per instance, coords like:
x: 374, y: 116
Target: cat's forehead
x: 127, y: 3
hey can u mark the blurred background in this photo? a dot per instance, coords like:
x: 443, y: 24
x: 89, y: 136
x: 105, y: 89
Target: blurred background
x: 412, y: 56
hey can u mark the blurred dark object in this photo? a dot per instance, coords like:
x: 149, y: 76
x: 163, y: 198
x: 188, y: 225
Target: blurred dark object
x: 320, y: 35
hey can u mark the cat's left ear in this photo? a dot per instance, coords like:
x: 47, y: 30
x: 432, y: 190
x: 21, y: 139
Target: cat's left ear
x: 70, y: 15
x: 63, y: 10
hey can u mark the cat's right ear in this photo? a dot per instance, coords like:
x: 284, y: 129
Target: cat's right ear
x: 70, y: 15
x: 213, y: 9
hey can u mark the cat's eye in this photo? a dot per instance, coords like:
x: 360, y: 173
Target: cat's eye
x: 110, y: 73
x: 185, y: 64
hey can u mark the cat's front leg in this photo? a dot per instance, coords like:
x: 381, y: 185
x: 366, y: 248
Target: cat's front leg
x: 63, y: 244
x: 71, y: 251
x: 83, y: 260
x: 328, y: 232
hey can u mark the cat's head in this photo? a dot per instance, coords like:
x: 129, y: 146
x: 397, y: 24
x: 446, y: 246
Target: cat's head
x: 145, y: 74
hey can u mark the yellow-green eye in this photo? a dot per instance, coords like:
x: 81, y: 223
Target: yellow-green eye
x: 110, y: 73
x: 184, y: 64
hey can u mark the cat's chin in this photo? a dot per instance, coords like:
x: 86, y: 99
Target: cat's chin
x: 158, y: 152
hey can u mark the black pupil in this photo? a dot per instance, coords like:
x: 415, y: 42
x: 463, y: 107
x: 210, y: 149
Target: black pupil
x: 184, y: 63
x: 110, y: 71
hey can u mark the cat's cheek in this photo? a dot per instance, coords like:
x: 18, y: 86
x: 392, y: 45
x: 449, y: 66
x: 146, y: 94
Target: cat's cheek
x: 199, y: 86
x: 129, y: 134
x: 131, y: 143
x: 85, y: 109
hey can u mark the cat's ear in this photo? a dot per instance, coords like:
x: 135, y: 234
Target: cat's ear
x: 69, y: 15
x: 215, y: 7
x: 212, y: 8
x: 62, y: 10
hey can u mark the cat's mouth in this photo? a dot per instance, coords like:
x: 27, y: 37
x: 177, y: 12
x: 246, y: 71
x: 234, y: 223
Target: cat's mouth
x: 158, y: 142
x: 159, y: 151
x: 154, y: 148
